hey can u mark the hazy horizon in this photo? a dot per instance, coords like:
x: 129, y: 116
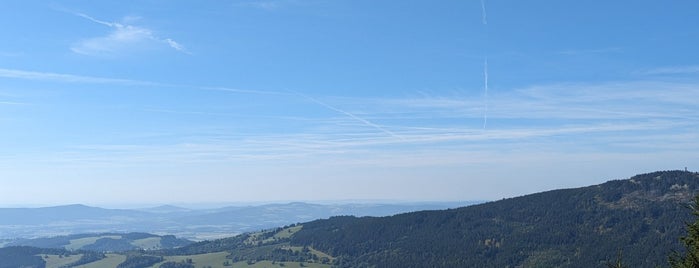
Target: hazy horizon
x: 134, y: 102
x: 215, y: 205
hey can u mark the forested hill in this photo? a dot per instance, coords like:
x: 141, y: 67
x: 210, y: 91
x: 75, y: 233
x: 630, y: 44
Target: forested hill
x: 642, y: 217
x: 583, y: 227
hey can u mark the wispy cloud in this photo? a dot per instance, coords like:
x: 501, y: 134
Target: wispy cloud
x: 589, y: 51
x: 692, y: 69
x: 371, y: 150
x: 554, y: 114
x: 123, y: 37
x: 6, y: 54
x: 485, y: 85
x: 267, y: 4
x: 351, y: 115
x: 12, y: 103
x: 69, y: 78
x: 485, y: 15
x: 597, y: 114
x: 72, y: 78
x: 245, y: 91
x: 601, y: 101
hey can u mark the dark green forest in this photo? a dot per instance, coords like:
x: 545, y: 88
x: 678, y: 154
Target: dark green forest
x: 584, y: 227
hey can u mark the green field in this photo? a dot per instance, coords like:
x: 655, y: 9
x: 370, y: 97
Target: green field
x: 55, y: 261
x: 210, y: 259
x: 216, y: 260
x: 287, y: 232
x: 318, y: 253
x: 112, y: 260
x: 76, y: 244
x: 284, y: 233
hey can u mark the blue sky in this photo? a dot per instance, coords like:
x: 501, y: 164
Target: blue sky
x: 136, y: 102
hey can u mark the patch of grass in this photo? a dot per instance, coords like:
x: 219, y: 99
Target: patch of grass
x: 76, y: 244
x: 217, y: 259
x: 288, y: 232
x: 321, y: 254
x: 112, y: 260
x: 270, y: 264
x: 201, y: 260
x: 147, y: 243
x: 256, y: 238
x: 55, y: 261
x: 316, y: 252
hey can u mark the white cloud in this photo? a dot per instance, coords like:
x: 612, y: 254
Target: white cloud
x: 122, y: 38
x: 175, y: 45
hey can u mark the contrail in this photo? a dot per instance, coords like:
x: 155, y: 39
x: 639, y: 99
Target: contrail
x: 485, y: 16
x: 485, y: 64
x: 485, y: 82
x: 110, y: 24
x: 366, y: 122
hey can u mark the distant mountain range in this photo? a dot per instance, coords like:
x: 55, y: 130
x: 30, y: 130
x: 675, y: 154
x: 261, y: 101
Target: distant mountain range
x: 183, y: 222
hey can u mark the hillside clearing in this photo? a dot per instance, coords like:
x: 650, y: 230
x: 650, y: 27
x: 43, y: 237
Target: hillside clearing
x: 56, y: 261
x: 112, y: 260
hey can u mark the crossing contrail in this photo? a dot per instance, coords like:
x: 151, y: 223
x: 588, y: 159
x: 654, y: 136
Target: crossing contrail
x: 366, y: 122
x: 485, y: 82
x: 485, y: 15
x: 485, y: 64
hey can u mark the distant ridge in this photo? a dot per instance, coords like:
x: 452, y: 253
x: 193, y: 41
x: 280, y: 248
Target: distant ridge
x: 104, y: 242
x: 165, y: 209
x: 184, y: 222
x: 43, y: 215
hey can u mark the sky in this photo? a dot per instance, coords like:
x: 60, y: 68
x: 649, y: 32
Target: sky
x: 173, y: 102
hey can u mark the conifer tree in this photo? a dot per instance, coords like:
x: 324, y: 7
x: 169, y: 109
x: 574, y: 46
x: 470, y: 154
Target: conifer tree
x: 690, y: 258
x: 618, y: 263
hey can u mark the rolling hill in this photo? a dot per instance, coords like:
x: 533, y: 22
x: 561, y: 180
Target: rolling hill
x: 104, y: 242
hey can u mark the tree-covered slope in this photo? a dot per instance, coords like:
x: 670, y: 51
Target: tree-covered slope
x: 582, y: 227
